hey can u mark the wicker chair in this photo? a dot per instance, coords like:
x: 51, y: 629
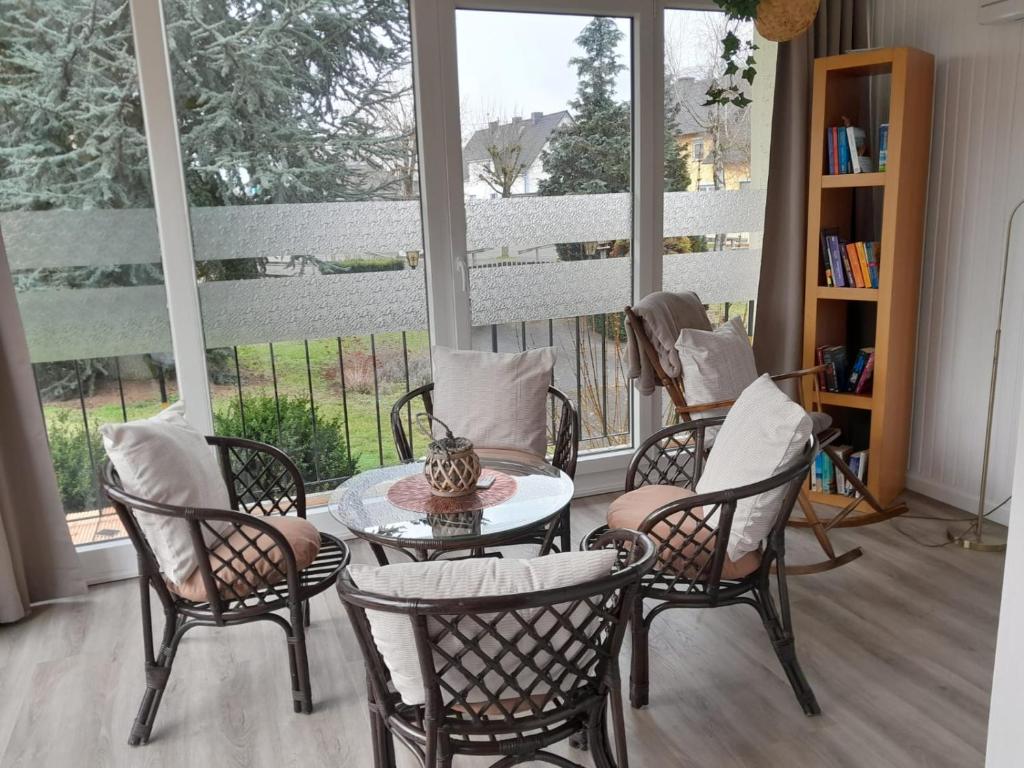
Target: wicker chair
x: 262, y: 481
x: 560, y: 687
x: 565, y: 426
x: 688, y: 570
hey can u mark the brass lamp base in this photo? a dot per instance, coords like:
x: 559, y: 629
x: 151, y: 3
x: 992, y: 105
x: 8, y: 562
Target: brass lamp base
x: 985, y: 542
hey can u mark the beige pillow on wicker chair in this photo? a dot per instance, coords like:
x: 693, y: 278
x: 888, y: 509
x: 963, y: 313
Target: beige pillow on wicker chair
x: 164, y: 460
x: 496, y: 399
x: 717, y: 365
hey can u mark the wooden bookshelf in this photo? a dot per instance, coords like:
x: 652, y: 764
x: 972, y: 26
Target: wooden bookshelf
x: 883, y: 317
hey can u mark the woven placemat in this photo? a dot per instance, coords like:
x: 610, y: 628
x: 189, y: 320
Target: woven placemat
x: 413, y: 494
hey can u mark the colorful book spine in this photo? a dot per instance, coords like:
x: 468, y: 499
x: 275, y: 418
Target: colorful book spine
x: 883, y: 146
x: 862, y: 263
x: 844, y: 150
x: 831, y: 151
x: 835, y: 259
x: 851, y: 137
x: 854, y: 259
x: 872, y: 253
x: 857, y: 370
x: 865, y: 377
x: 825, y: 260
x: 835, y: 152
x: 847, y: 266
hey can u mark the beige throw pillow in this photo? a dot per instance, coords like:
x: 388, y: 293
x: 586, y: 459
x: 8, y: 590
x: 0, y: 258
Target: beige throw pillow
x: 496, y: 399
x: 717, y: 365
x: 163, y: 459
x: 764, y: 432
x: 393, y: 633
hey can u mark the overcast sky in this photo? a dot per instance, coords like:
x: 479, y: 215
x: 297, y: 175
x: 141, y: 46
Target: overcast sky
x: 517, y: 63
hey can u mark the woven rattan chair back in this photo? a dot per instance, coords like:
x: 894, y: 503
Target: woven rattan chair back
x: 507, y: 675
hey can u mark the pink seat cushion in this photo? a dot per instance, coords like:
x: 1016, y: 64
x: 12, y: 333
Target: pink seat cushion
x: 234, y: 573
x: 687, y: 558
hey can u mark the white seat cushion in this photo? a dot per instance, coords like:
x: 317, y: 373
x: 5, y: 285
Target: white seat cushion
x: 764, y: 432
x: 717, y: 365
x: 393, y: 632
x: 497, y: 400
x: 164, y: 460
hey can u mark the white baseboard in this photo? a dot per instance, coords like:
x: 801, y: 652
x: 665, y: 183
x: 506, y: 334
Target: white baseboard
x: 956, y: 497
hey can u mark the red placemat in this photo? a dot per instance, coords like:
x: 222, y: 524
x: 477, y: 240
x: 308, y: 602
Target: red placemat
x: 413, y: 493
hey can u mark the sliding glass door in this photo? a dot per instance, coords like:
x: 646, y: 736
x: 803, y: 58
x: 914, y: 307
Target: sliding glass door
x: 547, y: 180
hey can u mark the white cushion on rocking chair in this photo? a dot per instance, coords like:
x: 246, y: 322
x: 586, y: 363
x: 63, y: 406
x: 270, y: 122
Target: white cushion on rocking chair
x: 764, y: 432
x: 717, y: 365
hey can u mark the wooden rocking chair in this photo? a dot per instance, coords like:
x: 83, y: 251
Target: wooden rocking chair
x: 826, y: 435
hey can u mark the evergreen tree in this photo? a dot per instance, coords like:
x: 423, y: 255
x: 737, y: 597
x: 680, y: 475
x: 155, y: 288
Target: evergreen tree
x: 591, y: 155
x: 278, y: 101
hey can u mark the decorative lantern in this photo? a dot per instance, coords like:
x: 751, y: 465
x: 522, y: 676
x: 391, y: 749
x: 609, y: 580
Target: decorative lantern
x: 452, y: 467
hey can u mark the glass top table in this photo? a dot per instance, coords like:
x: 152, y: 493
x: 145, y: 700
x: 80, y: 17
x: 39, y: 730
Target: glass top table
x: 362, y: 506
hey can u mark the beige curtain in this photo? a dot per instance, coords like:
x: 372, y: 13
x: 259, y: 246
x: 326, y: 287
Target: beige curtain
x: 840, y: 26
x: 37, y: 559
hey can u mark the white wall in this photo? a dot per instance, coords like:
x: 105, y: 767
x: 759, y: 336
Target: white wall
x: 977, y: 175
x: 1005, y: 743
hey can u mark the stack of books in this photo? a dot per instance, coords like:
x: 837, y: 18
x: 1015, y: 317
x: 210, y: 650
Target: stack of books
x: 826, y: 479
x: 846, y: 149
x: 839, y: 375
x: 849, y: 265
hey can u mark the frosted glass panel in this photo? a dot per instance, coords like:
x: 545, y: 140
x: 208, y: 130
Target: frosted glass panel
x: 80, y: 234
x: 298, y: 137
x: 547, y: 150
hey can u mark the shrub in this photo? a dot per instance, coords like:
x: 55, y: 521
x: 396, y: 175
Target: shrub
x: 75, y: 476
x: 328, y: 452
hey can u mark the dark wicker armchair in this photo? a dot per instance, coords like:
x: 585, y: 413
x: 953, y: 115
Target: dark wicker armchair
x: 262, y: 481
x: 561, y: 684
x: 691, y: 552
x: 564, y: 435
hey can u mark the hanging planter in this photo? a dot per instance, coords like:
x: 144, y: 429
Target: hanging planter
x: 777, y: 20
x: 782, y: 20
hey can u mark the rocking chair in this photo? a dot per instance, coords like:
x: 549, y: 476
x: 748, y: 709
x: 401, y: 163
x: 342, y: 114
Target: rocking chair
x: 826, y: 435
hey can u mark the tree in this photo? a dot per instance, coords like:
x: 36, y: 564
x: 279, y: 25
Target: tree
x: 677, y: 167
x: 504, y: 147
x: 277, y: 100
x: 591, y: 154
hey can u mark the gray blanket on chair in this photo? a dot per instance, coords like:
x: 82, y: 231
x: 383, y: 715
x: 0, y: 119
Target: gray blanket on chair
x: 663, y: 315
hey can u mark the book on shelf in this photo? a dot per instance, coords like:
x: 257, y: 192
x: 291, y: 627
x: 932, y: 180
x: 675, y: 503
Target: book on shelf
x: 838, y: 374
x: 848, y: 264
x: 883, y: 146
x: 825, y: 478
x: 847, y: 147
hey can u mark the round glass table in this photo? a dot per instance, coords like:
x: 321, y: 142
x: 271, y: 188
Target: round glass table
x: 362, y: 505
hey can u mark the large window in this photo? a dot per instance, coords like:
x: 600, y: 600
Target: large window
x: 331, y: 213
x: 80, y: 233
x: 298, y: 137
x: 547, y: 176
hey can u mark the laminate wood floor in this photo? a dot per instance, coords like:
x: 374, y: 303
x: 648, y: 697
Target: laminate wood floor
x: 897, y: 645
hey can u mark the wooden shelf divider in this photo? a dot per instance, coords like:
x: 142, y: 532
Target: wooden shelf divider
x: 889, y: 312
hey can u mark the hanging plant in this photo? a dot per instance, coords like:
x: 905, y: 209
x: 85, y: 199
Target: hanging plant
x: 777, y: 20
x: 738, y: 56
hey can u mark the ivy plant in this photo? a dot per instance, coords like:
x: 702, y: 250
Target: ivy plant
x: 738, y: 56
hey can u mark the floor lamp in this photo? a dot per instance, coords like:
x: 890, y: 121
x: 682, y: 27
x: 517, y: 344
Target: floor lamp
x: 975, y: 536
